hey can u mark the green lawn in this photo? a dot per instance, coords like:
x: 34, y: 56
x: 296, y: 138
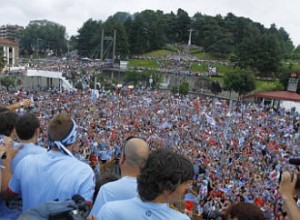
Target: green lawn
x: 158, y: 53
x: 203, y: 66
x: 259, y: 83
x: 143, y: 63
x: 199, y: 67
x: 291, y: 66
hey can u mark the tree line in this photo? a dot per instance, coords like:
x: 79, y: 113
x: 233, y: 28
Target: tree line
x: 247, y: 44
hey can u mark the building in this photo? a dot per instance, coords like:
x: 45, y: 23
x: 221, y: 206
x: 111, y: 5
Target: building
x: 287, y: 99
x: 43, y: 22
x: 10, y: 52
x: 10, y: 32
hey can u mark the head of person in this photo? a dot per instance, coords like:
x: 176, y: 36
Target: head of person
x: 62, y: 133
x: 8, y: 122
x: 94, y: 160
x: 27, y: 127
x: 133, y: 157
x: 165, y: 177
x: 244, y: 211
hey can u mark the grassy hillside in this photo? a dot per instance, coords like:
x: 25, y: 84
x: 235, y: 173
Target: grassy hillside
x: 202, y: 66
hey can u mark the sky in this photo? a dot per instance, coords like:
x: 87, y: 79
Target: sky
x: 73, y: 13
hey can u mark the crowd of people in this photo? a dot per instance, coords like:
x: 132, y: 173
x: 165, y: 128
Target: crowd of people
x: 237, y: 149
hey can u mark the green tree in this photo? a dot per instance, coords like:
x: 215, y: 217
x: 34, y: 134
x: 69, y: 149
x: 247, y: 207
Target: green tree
x: 42, y: 38
x: 267, y: 56
x: 240, y: 81
x: 271, y: 86
x: 183, y: 24
x: 174, y: 89
x: 19, y: 82
x: 284, y: 42
x: 89, y: 38
x: 184, y: 88
x: 215, y: 87
x: 170, y: 28
x: 115, y: 23
x: 7, y: 81
x: 260, y: 53
x: 147, y: 32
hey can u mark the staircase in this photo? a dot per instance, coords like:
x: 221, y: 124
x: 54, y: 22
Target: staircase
x: 51, y: 74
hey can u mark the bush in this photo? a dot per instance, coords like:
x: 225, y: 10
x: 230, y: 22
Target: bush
x: 184, y: 88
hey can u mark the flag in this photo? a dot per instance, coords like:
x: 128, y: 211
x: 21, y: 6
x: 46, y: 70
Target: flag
x: 210, y: 120
x: 94, y: 94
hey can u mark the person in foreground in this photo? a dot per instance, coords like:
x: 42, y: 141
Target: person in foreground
x: 288, y: 190
x: 55, y: 174
x: 164, y: 179
x: 134, y: 155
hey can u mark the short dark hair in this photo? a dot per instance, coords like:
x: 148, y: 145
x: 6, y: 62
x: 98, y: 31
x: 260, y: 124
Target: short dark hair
x: 8, y: 122
x: 164, y: 170
x: 244, y: 211
x: 26, y: 126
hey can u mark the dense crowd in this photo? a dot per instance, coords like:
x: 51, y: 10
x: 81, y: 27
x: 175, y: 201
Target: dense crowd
x: 238, y: 149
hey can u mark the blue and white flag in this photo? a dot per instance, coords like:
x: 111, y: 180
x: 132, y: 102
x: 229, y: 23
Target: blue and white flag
x: 94, y: 94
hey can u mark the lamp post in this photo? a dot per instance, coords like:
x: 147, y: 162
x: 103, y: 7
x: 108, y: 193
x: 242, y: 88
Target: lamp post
x: 38, y: 46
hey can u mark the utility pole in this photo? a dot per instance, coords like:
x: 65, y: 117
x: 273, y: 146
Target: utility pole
x: 102, y: 41
x: 114, y: 46
x: 114, y: 52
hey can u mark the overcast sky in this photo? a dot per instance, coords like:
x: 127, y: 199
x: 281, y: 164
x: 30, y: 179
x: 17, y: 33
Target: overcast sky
x: 73, y: 13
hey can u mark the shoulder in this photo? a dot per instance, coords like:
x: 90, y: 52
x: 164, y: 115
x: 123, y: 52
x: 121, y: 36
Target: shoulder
x: 38, y: 148
x: 30, y: 158
x: 179, y: 215
x: 114, y: 207
x: 109, y: 187
x: 78, y: 166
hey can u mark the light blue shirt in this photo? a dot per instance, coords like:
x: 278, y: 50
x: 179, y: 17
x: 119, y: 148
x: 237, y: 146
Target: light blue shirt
x: 124, y: 188
x: 27, y: 149
x: 52, y: 175
x: 137, y: 209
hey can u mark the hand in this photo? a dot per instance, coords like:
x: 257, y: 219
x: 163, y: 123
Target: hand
x: 287, y: 187
x: 91, y: 218
x: 10, y: 151
x: 2, y: 150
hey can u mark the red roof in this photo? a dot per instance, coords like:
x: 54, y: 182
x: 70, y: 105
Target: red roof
x: 278, y: 95
x: 6, y: 42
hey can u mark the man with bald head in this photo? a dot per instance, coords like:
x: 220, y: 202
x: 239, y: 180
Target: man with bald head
x: 134, y: 155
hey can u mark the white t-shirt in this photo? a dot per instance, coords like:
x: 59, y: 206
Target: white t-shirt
x: 124, y: 188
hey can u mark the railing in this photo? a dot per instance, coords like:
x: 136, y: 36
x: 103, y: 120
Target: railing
x: 51, y: 74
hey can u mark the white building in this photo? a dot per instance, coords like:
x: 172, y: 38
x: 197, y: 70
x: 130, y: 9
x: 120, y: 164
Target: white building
x: 10, y: 52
